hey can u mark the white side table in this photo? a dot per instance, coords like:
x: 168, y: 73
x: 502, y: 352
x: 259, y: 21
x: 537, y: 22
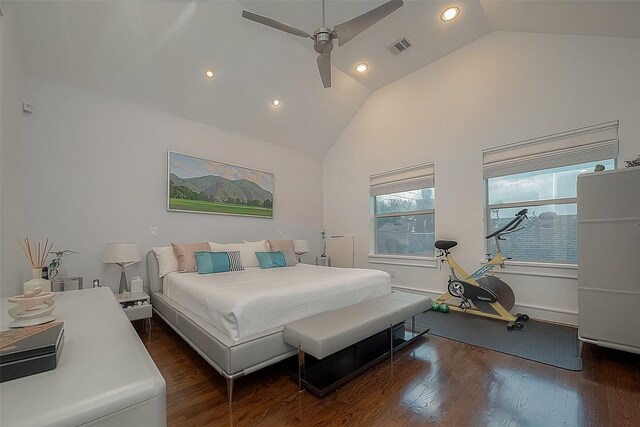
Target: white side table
x: 135, y: 312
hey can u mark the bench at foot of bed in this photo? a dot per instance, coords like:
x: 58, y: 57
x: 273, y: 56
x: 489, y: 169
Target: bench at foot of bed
x: 337, y: 345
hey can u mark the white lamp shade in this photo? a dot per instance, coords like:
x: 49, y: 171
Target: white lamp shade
x: 121, y: 253
x: 300, y: 246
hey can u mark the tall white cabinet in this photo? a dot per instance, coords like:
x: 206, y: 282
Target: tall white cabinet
x: 609, y: 258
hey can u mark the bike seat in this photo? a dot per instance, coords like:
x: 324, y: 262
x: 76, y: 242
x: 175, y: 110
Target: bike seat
x: 445, y: 244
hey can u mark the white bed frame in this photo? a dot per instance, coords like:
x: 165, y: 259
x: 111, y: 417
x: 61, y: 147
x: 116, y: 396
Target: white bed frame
x: 232, y: 359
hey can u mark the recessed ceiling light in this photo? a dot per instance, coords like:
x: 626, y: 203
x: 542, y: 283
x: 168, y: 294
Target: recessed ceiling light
x: 209, y: 73
x: 361, y: 68
x: 276, y: 102
x: 449, y: 13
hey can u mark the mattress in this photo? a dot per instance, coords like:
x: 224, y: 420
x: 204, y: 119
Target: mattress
x: 249, y: 302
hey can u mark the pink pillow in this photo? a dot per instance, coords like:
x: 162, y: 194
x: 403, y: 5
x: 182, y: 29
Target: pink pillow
x: 281, y: 245
x: 185, y: 254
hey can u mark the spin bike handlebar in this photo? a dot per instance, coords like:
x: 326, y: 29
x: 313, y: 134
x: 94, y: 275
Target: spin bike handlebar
x: 511, y: 226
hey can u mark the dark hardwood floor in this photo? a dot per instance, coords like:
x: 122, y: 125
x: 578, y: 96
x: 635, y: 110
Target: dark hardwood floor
x: 434, y: 381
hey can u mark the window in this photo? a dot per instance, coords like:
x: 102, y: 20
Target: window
x: 550, y: 196
x: 403, y: 205
x: 541, y: 175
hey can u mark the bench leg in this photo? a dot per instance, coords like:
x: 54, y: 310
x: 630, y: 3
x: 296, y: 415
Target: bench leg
x: 391, y: 341
x: 300, y: 368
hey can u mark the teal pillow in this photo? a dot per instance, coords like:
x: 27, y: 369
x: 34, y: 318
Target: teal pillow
x: 271, y: 259
x: 218, y: 262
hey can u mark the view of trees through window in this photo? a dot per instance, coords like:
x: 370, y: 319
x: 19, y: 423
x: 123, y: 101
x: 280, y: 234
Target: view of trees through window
x: 405, y: 223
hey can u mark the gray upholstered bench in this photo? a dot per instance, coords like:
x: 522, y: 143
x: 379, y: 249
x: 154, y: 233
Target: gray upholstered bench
x: 330, y: 332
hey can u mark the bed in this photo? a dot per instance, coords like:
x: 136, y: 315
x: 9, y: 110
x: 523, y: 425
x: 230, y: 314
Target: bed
x: 235, y: 320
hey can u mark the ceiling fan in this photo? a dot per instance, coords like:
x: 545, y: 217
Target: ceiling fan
x: 323, y: 37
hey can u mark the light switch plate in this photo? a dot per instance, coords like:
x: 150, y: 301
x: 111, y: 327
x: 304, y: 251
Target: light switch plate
x: 153, y: 231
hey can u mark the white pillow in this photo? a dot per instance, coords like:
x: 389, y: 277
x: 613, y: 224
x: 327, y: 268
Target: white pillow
x: 167, y: 261
x: 259, y: 244
x: 247, y: 251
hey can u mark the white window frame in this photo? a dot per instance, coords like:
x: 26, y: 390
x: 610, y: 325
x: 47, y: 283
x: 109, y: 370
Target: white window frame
x: 416, y: 177
x: 593, y: 143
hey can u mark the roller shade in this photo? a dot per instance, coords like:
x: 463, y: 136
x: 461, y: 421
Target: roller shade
x: 406, y: 179
x: 589, y: 144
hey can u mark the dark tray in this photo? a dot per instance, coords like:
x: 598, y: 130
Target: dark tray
x: 31, y: 350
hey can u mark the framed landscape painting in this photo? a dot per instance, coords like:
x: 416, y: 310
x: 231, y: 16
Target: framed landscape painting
x: 205, y: 186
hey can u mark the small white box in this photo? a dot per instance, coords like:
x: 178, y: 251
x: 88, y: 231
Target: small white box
x: 323, y: 261
x: 137, y: 284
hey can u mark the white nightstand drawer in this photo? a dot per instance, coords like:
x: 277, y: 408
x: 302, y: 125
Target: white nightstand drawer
x: 137, y: 312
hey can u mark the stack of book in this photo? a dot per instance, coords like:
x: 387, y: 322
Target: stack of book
x: 30, y: 350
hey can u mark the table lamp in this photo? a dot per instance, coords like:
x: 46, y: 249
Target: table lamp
x: 300, y: 247
x: 123, y: 254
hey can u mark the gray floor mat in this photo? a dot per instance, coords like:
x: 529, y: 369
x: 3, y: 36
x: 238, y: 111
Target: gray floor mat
x: 543, y: 342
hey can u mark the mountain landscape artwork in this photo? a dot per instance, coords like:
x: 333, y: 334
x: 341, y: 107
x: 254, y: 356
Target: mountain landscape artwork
x: 206, y: 186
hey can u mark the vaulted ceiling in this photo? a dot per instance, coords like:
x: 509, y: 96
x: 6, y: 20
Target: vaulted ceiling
x: 154, y: 53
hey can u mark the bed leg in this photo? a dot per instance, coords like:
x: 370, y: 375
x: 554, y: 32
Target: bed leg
x: 413, y: 326
x: 300, y: 368
x: 230, y: 389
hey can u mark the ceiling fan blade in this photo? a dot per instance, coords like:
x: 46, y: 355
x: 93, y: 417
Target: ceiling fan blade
x: 324, y: 66
x: 352, y: 28
x: 275, y: 24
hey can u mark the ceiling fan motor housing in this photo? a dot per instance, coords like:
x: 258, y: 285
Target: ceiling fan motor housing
x: 323, y: 40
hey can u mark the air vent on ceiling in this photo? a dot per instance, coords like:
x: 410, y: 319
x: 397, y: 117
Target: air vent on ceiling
x: 399, y: 46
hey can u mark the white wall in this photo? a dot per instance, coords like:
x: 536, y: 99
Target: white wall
x: 96, y: 172
x: 11, y: 153
x: 502, y: 88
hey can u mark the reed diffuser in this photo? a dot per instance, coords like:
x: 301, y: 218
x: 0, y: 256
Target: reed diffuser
x: 37, y: 256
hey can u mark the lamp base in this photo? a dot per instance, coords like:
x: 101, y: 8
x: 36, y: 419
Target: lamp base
x: 123, y: 283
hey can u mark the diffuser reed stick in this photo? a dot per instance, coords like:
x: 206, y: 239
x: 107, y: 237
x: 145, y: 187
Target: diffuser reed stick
x: 35, y: 255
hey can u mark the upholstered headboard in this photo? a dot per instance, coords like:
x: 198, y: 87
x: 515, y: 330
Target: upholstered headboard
x: 155, y: 283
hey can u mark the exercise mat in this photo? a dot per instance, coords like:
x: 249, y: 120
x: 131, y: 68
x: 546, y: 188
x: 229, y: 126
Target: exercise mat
x: 549, y: 343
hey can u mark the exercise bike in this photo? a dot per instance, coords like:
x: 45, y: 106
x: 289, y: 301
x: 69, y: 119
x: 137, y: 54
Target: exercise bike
x: 482, y: 294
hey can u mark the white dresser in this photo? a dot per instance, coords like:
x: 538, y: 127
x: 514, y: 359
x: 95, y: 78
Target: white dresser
x: 105, y: 376
x: 609, y: 258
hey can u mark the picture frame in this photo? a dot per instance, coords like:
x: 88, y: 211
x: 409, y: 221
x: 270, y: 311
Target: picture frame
x: 198, y: 185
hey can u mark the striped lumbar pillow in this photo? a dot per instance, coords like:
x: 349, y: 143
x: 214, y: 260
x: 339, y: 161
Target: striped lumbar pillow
x: 276, y: 259
x: 271, y: 259
x: 218, y: 262
x: 290, y: 258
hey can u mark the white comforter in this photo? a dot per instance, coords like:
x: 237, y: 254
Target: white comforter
x: 245, y: 303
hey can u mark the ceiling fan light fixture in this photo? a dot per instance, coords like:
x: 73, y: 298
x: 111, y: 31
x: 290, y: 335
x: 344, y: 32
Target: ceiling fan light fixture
x: 275, y: 102
x: 362, y: 67
x: 209, y: 73
x: 450, y: 14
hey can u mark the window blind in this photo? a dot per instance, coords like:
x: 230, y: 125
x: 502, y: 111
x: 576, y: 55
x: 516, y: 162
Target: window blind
x: 589, y: 144
x: 406, y: 179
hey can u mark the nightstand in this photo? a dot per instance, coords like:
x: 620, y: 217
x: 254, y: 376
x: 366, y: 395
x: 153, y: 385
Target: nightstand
x: 135, y: 311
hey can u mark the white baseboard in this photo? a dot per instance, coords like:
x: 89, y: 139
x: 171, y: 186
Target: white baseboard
x: 548, y: 314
